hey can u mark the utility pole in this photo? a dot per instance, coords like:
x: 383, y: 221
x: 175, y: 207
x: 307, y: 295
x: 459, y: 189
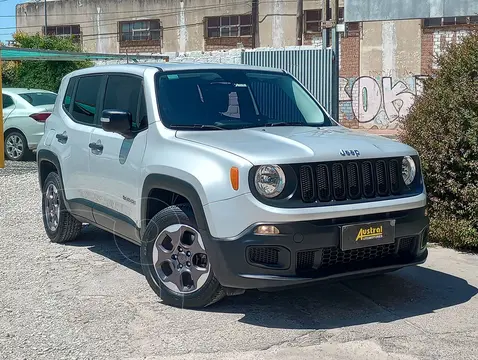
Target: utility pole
x: 300, y: 22
x: 324, y: 26
x: 255, y: 23
x: 46, y: 21
x: 330, y: 25
x: 336, y: 50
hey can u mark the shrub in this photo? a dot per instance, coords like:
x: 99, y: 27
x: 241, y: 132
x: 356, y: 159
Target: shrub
x: 45, y: 75
x: 443, y: 126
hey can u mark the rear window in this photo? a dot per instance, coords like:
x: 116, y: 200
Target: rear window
x: 38, y: 99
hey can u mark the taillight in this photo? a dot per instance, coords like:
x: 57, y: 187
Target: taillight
x: 40, y: 117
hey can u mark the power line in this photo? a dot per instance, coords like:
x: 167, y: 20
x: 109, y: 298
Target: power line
x: 115, y: 34
x: 149, y: 14
x: 111, y: 35
x: 143, y: 11
x: 121, y: 12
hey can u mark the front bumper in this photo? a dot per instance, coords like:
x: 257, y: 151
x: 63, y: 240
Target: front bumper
x: 310, y: 251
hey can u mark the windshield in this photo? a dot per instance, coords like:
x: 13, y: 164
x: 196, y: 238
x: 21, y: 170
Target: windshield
x: 235, y: 99
x: 39, y: 98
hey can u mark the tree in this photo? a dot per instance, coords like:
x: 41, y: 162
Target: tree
x: 45, y: 75
x: 443, y: 126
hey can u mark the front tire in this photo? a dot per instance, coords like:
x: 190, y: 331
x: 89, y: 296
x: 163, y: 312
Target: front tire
x: 60, y: 225
x: 175, y: 262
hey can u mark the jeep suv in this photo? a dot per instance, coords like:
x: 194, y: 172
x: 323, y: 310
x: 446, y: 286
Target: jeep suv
x: 228, y: 177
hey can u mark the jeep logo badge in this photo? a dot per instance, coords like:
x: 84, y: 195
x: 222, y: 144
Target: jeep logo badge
x: 349, y: 152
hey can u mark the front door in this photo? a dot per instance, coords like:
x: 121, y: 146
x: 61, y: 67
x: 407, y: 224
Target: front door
x: 116, y: 161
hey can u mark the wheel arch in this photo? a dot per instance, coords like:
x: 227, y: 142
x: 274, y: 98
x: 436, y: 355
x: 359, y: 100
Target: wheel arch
x: 47, y: 161
x: 175, y: 185
x: 13, y: 129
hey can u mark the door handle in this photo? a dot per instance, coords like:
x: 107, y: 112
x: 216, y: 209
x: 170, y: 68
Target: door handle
x: 96, y: 147
x: 62, y: 138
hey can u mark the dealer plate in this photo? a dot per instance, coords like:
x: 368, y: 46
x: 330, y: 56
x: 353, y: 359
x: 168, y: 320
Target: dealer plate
x: 359, y: 236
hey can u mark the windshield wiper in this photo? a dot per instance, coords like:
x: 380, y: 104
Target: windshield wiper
x: 196, y: 126
x: 284, y: 123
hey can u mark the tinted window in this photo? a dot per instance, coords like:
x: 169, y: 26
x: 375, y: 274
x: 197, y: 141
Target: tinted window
x: 39, y: 99
x: 122, y: 93
x: 7, y: 101
x: 233, y: 99
x: 68, y: 95
x: 84, y: 106
x: 142, y: 115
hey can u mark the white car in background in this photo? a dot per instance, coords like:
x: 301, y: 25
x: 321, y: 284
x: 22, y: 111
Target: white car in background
x: 24, y: 114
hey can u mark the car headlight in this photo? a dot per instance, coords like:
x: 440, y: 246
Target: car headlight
x: 409, y: 170
x: 269, y: 180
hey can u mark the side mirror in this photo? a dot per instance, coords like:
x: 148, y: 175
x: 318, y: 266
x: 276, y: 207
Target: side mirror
x: 117, y: 121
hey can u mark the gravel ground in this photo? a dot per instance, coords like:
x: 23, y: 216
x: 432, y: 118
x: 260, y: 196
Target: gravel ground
x: 89, y: 300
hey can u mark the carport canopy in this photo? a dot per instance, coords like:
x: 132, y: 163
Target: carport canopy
x: 21, y: 54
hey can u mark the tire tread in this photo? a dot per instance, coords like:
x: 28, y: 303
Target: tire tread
x: 69, y: 227
x: 212, y: 291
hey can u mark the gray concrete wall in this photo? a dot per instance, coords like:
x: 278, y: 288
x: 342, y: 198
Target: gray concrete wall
x: 277, y: 18
x: 182, y: 20
x: 391, y: 48
x: 375, y: 10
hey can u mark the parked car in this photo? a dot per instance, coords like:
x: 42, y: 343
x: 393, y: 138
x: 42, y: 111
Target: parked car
x: 24, y: 115
x: 229, y: 178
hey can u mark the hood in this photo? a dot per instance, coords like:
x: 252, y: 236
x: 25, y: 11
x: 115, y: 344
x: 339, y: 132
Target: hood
x: 287, y: 144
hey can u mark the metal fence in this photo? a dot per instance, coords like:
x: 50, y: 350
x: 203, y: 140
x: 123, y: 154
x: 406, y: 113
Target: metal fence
x: 312, y: 67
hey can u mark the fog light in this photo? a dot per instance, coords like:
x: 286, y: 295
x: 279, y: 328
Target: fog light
x: 266, y: 230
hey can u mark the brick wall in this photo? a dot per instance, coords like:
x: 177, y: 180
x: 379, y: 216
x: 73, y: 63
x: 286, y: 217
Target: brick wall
x: 134, y: 47
x: 349, y: 68
x: 427, y: 52
x: 435, y: 41
x: 226, y: 43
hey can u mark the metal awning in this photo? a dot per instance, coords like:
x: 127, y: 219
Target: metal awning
x: 19, y: 54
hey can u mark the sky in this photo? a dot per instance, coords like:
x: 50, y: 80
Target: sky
x: 7, y: 18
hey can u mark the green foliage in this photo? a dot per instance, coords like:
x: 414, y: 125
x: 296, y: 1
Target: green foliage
x: 443, y: 126
x: 9, y: 74
x: 42, y: 74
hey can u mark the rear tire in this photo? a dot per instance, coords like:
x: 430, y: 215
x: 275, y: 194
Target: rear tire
x: 174, y: 260
x: 60, y: 225
x: 16, y: 146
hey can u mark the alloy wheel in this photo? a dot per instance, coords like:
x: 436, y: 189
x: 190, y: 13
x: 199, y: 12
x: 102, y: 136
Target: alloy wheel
x: 180, y: 260
x: 14, y: 146
x: 52, y: 207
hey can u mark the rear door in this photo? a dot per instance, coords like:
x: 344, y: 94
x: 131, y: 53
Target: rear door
x: 116, y: 167
x: 8, y: 106
x: 72, y: 138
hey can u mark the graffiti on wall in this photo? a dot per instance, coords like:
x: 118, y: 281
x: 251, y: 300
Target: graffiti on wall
x: 377, y: 102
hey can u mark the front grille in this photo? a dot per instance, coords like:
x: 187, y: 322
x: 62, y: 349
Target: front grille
x: 350, y: 180
x: 305, y: 259
x: 264, y: 255
x: 333, y: 257
x: 406, y: 244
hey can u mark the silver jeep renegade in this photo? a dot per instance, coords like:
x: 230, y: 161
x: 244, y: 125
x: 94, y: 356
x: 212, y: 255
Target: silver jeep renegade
x: 229, y: 178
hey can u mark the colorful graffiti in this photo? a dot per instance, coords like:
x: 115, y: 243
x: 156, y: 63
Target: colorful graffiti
x: 377, y: 102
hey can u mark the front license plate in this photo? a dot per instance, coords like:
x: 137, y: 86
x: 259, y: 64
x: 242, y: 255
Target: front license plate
x: 359, y: 236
